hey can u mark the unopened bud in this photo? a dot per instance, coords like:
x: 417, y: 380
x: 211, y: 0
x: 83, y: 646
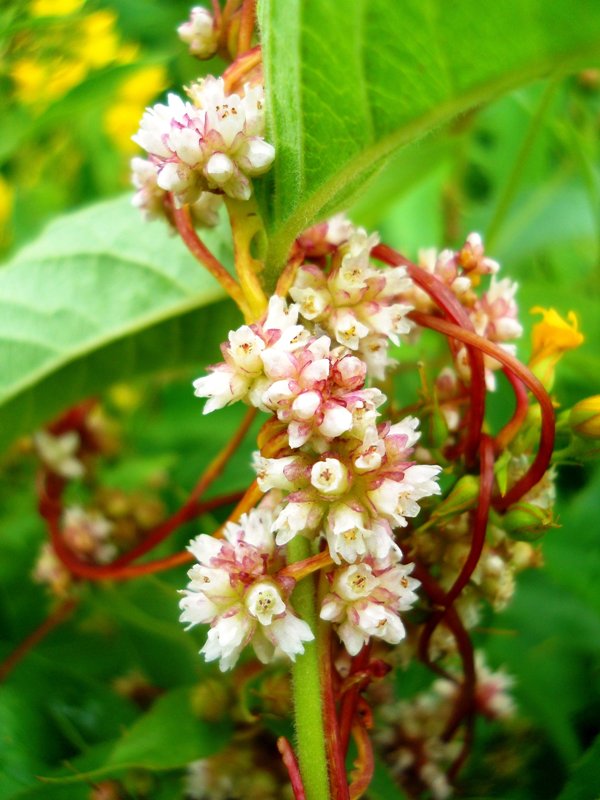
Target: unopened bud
x: 526, y: 522
x: 584, y: 418
x: 463, y: 497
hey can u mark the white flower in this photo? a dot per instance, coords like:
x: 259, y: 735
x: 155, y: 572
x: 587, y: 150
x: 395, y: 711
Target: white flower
x: 200, y: 33
x: 149, y: 197
x: 354, y: 493
x: 329, y: 477
x: 87, y: 533
x: 59, y: 453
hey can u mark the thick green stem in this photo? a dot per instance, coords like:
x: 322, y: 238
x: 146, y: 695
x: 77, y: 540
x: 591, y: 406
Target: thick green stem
x: 306, y: 687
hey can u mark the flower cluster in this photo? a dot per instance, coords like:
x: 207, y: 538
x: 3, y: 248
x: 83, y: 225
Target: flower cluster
x: 212, y: 142
x: 350, y: 299
x: 356, y: 494
x: 341, y: 476
x: 234, y: 588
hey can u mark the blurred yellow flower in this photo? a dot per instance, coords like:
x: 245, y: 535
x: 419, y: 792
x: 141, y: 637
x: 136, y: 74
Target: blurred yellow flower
x: 6, y: 206
x: 98, y: 41
x: 54, y: 8
x: 122, y: 119
x: 44, y: 72
x: 37, y: 82
x: 551, y: 338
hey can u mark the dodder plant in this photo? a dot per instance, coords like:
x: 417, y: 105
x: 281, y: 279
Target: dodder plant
x: 344, y: 558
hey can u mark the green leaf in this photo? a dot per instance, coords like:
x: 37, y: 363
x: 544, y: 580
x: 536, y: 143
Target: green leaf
x: 167, y: 737
x: 348, y: 86
x: 585, y: 782
x: 101, y: 296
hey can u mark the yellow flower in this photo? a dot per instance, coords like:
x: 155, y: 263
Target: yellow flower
x: 551, y: 339
x: 54, y: 8
x: 123, y: 117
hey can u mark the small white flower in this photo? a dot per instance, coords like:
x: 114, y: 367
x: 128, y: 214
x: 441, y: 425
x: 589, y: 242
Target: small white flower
x: 200, y: 33
x: 264, y: 602
x: 59, y: 453
x: 329, y: 477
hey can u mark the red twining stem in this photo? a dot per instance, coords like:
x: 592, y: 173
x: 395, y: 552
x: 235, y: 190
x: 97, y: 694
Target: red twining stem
x: 482, y: 512
x: 291, y: 764
x: 333, y: 743
x: 451, y: 307
x: 548, y: 424
x: 50, y: 499
x: 184, y: 224
x: 192, y: 507
x: 52, y: 621
x: 351, y: 697
x: 190, y: 510
x: 512, y: 427
x: 486, y: 456
x: 437, y: 596
x: 364, y: 765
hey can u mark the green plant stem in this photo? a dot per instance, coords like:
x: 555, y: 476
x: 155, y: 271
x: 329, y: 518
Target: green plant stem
x: 306, y: 687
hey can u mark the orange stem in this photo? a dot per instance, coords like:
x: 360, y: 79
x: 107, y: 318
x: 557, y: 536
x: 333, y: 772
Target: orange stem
x: 364, y: 764
x: 300, y: 569
x: 242, y: 66
x: 247, y: 23
x: 183, y: 222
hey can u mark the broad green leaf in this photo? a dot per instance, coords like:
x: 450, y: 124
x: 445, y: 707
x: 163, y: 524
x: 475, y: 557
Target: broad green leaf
x: 585, y: 782
x: 101, y: 296
x: 347, y: 86
x: 167, y: 737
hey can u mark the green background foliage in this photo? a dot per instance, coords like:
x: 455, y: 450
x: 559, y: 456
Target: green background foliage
x: 412, y: 96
